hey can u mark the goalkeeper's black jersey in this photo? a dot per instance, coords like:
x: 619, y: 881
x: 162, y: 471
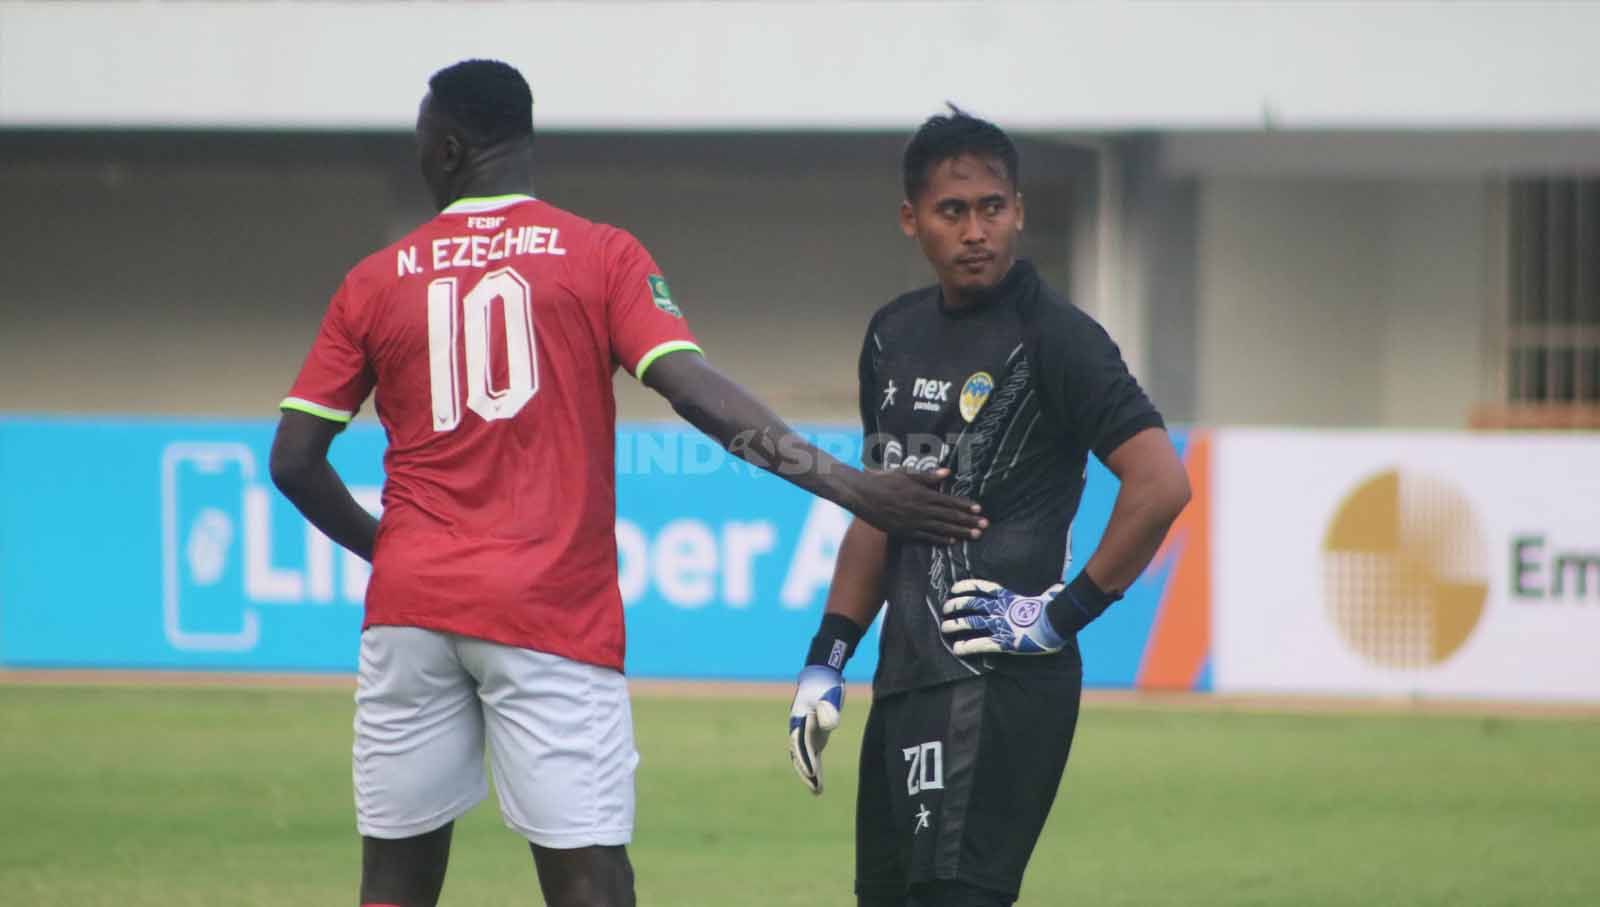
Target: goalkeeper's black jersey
x: 1011, y: 393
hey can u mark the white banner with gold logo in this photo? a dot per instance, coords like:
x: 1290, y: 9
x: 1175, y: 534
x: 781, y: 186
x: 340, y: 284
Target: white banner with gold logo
x: 1395, y: 563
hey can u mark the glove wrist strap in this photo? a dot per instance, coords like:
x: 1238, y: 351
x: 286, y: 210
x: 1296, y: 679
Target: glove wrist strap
x: 835, y: 641
x: 1079, y: 604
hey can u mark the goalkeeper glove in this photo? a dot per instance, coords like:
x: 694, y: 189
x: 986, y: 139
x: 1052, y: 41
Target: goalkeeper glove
x: 982, y: 617
x: 819, y: 696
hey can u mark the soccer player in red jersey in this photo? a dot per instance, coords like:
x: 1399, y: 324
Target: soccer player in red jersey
x: 494, y: 621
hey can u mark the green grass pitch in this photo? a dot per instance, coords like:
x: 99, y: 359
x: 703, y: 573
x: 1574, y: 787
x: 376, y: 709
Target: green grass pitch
x: 125, y: 797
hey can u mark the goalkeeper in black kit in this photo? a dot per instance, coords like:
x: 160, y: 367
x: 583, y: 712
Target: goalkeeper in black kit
x: 993, y: 375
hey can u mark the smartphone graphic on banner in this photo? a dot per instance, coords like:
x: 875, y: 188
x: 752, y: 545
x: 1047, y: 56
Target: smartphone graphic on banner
x: 202, y: 523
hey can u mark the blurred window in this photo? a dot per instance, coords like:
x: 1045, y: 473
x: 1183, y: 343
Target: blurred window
x: 1554, y: 330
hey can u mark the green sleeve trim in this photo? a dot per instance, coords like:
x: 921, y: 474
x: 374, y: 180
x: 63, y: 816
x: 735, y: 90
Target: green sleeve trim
x: 316, y: 409
x: 671, y: 346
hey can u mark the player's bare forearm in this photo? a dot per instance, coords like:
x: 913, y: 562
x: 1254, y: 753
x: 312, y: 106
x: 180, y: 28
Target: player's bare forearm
x: 323, y: 498
x: 301, y: 470
x: 1155, y: 489
x: 744, y: 426
x: 898, y: 503
x: 857, y: 588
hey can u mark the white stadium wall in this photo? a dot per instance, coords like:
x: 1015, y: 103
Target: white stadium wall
x: 186, y: 273
x: 802, y: 65
x: 1292, y: 204
x: 1342, y: 302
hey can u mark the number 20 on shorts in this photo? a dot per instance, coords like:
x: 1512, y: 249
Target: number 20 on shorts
x: 926, y: 770
x: 451, y: 315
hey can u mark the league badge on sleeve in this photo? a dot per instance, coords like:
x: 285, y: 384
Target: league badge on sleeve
x: 975, y: 393
x: 662, y: 297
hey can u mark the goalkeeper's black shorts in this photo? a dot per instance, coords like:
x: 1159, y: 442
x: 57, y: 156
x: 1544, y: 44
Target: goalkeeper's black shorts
x: 957, y: 779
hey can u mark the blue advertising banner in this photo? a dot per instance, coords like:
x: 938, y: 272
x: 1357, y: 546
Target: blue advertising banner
x: 162, y: 544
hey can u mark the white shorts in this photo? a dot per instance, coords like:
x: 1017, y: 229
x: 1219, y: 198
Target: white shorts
x: 559, y: 735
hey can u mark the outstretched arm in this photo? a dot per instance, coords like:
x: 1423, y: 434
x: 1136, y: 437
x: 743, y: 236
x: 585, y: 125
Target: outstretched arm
x: 896, y: 502
x: 301, y: 470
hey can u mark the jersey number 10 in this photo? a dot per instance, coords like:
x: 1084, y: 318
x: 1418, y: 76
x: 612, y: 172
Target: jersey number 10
x: 450, y: 316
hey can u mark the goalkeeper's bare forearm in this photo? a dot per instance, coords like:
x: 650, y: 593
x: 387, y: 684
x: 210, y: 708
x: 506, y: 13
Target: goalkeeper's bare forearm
x: 1154, y: 489
x: 856, y: 593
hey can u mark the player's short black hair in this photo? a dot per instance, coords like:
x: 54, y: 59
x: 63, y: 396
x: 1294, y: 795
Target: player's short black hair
x: 488, y: 99
x: 942, y: 137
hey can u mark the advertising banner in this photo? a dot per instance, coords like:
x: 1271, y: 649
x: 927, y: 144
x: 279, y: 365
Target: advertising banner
x: 162, y: 544
x: 1415, y: 564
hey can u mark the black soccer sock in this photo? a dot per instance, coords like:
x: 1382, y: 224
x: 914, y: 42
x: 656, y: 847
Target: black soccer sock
x: 835, y: 642
x: 1081, y: 602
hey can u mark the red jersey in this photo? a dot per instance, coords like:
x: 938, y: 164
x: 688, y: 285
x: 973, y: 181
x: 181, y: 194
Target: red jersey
x: 491, y: 334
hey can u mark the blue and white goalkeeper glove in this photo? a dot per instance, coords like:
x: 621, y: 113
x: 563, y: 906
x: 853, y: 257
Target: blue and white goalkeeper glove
x: 818, y: 698
x: 983, y: 618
